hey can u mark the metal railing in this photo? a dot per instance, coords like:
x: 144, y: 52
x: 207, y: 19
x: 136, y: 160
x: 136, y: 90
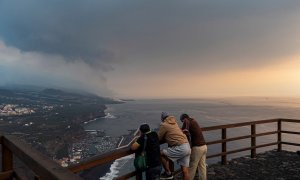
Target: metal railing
x: 44, y: 168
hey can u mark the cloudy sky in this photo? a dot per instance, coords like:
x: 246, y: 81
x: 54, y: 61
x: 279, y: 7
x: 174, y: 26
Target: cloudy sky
x: 153, y: 49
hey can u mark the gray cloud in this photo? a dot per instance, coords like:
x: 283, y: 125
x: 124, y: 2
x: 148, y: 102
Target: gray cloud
x: 17, y: 67
x: 69, y: 28
x: 154, y: 36
x: 96, y: 31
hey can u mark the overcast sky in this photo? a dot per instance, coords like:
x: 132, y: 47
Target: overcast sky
x: 153, y: 49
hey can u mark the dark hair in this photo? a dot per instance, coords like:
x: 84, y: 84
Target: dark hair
x: 144, y: 128
x: 183, y: 116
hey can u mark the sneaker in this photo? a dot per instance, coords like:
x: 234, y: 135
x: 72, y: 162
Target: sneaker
x: 165, y: 175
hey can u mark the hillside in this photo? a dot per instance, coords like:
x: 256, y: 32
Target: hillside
x: 49, y: 119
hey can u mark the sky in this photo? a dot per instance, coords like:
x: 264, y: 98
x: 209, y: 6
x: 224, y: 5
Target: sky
x: 153, y: 49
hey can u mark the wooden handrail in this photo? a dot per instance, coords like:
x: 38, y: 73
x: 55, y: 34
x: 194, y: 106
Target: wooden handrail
x: 290, y: 120
x: 100, y: 159
x: 240, y: 137
x: 36, y: 161
x: 20, y: 174
x: 108, y: 157
x: 289, y: 143
x: 234, y: 125
x: 44, y: 168
x: 7, y: 174
x: 290, y: 132
x: 127, y: 176
x: 241, y: 150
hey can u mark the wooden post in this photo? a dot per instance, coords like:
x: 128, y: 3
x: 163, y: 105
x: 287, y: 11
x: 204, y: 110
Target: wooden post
x: 279, y: 148
x: 224, y: 157
x: 7, y: 159
x: 253, y: 140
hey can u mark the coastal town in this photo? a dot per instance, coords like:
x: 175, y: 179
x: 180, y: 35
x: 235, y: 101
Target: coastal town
x: 96, y: 142
x: 14, y: 110
x: 52, y: 121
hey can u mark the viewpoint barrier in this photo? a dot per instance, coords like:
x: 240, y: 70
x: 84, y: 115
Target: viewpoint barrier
x: 44, y: 168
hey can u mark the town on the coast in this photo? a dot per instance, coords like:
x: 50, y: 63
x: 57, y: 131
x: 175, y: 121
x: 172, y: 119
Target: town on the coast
x: 14, y: 110
x: 52, y: 121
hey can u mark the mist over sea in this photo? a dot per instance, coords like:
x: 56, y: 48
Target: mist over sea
x: 208, y: 112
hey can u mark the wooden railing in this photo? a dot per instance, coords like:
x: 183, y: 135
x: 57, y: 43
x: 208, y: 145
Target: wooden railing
x: 44, y: 168
x: 111, y: 156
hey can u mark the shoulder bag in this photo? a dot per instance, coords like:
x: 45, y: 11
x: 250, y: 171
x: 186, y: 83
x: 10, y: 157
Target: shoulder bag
x: 140, y: 162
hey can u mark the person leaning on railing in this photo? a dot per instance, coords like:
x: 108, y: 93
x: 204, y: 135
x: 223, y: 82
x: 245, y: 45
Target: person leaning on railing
x: 199, y: 148
x: 178, y: 146
x: 152, y: 148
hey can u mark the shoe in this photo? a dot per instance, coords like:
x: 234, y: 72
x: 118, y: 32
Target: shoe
x: 298, y: 152
x: 165, y: 175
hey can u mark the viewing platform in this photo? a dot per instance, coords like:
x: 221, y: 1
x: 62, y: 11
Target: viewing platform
x: 270, y: 165
x: 281, y: 164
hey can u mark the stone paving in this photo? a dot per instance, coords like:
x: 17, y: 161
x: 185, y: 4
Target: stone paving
x: 270, y: 165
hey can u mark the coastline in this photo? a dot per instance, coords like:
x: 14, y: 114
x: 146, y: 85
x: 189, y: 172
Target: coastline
x: 108, y: 169
x: 98, y: 171
x: 77, y: 133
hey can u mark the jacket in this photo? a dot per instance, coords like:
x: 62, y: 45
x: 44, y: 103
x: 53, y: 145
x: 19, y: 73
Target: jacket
x: 170, y: 132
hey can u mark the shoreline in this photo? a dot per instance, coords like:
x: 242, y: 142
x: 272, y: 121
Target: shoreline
x: 98, y: 171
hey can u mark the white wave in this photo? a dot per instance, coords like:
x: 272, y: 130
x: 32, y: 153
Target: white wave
x: 90, y: 121
x: 109, y: 116
x: 115, y: 168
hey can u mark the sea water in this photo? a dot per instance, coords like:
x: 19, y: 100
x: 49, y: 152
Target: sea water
x: 208, y: 112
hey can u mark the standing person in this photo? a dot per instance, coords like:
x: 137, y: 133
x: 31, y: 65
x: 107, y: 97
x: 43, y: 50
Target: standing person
x: 199, y: 148
x: 152, y: 149
x: 178, y: 147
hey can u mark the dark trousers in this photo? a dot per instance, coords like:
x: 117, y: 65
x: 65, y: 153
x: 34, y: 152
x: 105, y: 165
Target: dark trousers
x: 153, y: 173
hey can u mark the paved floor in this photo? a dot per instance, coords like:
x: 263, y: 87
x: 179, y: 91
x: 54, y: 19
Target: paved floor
x: 271, y: 165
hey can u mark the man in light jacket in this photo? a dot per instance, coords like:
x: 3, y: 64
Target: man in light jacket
x: 178, y: 146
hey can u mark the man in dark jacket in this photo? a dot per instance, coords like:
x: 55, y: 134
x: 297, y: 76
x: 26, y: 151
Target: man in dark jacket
x: 152, y: 149
x: 199, y: 148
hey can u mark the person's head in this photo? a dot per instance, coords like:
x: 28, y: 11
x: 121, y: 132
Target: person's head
x: 164, y: 115
x: 144, y: 128
x: 183, y: 117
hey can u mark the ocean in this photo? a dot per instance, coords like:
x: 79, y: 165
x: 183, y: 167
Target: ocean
x: 122, y: 118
